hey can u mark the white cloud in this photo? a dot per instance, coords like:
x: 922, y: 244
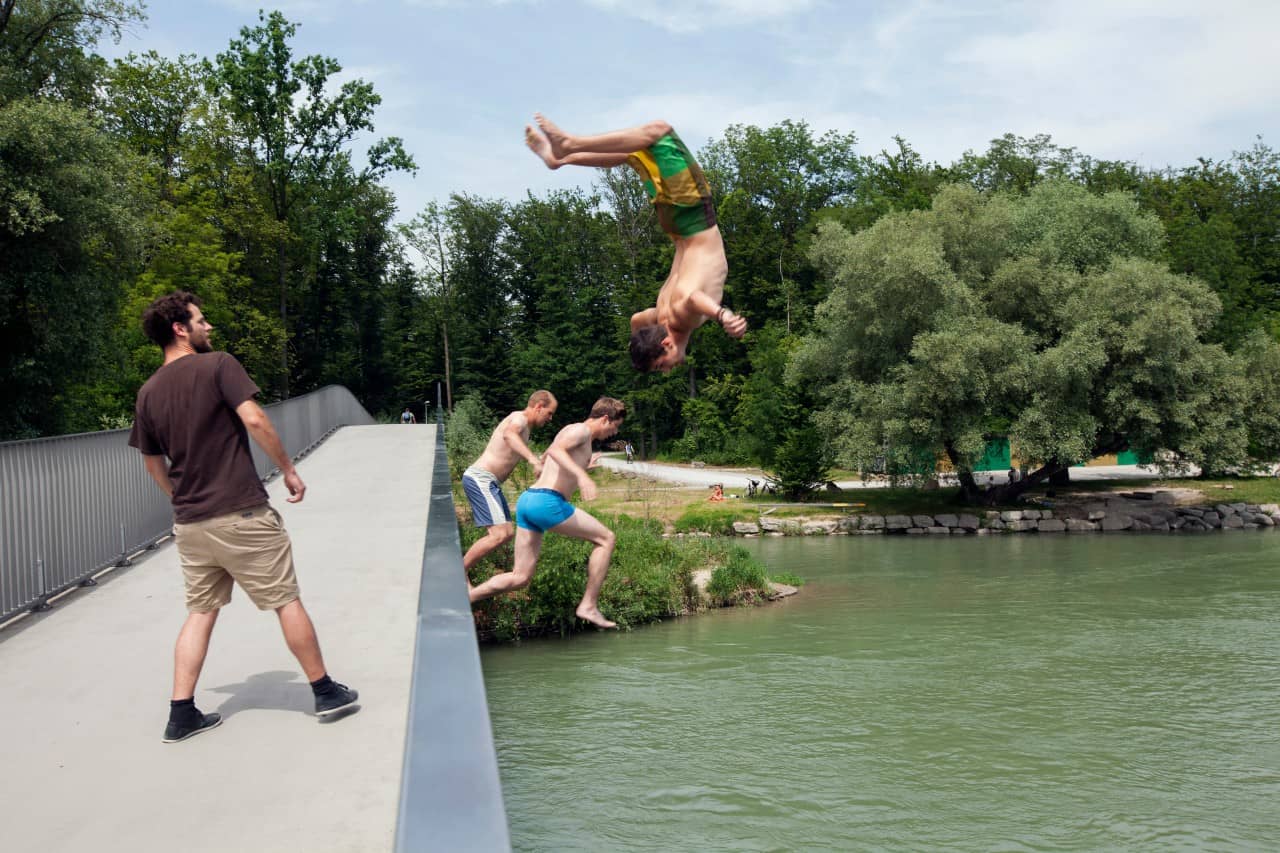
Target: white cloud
x: 694, y: 16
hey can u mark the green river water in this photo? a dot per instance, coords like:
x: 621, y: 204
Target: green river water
x: 980, y: 693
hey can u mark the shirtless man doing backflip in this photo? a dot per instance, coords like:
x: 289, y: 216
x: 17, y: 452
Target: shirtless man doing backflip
x: 682, y: 199
x: 483, y: 480
x: 545, y: 506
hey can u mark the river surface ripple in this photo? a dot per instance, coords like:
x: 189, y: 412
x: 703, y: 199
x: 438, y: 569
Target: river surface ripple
x: 994, y: 693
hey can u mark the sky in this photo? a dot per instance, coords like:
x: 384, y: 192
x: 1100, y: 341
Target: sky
x: 1157, y: 82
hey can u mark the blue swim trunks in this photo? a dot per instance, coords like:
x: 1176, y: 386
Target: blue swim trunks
x: 540, y: 510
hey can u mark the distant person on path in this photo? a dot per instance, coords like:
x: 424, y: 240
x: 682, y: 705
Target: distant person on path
x: 545, y: 506
x: 198, y: 410
x: 483, y: 481
x: 631, y: 453
x: 407, y: 417
x: 694, y: 288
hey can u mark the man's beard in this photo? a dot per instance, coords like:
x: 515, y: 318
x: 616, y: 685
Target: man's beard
x: 202, y: 346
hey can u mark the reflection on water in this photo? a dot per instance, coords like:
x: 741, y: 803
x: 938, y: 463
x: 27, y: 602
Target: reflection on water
x: 1002, y: 693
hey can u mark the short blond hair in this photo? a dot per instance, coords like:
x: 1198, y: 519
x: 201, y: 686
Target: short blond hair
x: 542, y: 398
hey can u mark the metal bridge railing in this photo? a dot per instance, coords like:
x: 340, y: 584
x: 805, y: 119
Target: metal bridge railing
x: 73, y: 505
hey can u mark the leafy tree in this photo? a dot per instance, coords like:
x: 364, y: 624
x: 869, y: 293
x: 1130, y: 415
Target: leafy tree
x: 479, y: 281
x: 768, y: 408
x: 892, y: 180
x: 568, y: 333
x: 428, y: 233
x: 1258, y: 362
x: 69, y: 232
x: 294, y: 128
x: 800, y: 465
x: 411, y: 349
x: 1197, y: 208
x: 1046, y: 314
x: 45, y: 44
x: 1016, y: 164
x: 769, y: 182
x: 151, y: 105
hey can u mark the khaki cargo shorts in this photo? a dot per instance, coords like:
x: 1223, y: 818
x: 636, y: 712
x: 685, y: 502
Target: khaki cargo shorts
x: 249, y: 546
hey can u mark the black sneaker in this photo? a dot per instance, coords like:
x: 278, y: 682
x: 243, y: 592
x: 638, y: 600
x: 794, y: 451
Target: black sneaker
x: 175, y: 732
x: 338, y: 697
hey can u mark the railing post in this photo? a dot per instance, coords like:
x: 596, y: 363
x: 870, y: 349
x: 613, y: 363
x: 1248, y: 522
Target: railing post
x: 124, y: 551
x: 42, y: 603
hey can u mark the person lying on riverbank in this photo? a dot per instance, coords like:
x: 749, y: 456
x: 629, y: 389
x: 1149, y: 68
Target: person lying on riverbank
x: 681, y: 198
x: 545, y: 507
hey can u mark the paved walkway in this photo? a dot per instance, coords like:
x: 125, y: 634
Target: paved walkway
x: 86, y: 686
x: 736, y: 478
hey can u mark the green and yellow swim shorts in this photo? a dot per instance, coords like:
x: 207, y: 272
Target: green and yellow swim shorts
x: 676, y: 186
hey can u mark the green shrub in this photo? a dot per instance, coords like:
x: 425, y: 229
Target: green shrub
x: 467, y: 431
x: 740, y: 580
x: 789, y: 578
x: 800, y: 465
x: 650, y: 578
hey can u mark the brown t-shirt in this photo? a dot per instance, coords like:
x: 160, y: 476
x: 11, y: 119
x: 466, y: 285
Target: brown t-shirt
x: 187, y: 411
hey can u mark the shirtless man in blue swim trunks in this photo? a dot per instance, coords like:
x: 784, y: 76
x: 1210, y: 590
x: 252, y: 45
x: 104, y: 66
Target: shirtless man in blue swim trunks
x: 681, y: 197
x: 545, y: 506
x: 482, y: 481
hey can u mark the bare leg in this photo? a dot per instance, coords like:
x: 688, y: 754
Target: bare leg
x: 563, y: 144
x: 582, y: 525
x: 539, y: 145
x: 528, y: 547
x: 496, y: 536
x: 189, y: 652
x: 300, y: 636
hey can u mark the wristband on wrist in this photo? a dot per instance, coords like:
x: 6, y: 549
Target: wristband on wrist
x: 720, y: 314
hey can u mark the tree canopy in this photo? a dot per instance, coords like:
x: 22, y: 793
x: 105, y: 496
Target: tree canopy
x: 1046, y: 317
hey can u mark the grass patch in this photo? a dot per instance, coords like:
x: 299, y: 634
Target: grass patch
x: 651, y: 578
x: 788, y: 578
x: 741, y: 580
x: 1250, y: 490
x: 714, y: 518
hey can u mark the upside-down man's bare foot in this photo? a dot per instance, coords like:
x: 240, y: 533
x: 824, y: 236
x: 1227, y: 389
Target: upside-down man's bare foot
x: 558, y: 139
x: 539, y: 145
x: 594, y: 616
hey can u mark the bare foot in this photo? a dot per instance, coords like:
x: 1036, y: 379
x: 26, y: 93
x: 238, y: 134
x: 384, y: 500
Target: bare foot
x: 539, y: 145
x: 558, y: 138
x: 594, y: 616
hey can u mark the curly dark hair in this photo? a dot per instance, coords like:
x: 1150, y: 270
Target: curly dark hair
x: 646, y: 346
x: 158, y: 319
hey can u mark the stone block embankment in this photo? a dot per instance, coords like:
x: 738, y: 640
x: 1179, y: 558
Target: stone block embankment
x: 1109, y: 516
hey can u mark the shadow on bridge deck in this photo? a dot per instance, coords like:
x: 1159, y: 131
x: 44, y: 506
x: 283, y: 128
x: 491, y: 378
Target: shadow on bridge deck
x: 86, y: 687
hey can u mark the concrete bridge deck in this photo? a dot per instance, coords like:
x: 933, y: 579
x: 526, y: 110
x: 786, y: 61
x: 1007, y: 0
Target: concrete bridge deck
x: 85, y: 687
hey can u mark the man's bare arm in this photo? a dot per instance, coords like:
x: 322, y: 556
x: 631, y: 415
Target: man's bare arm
x: 158, y: 468
x: 734, y: 325
x: 647, y: 317
x: 511, y: 435
x: 260, y: 429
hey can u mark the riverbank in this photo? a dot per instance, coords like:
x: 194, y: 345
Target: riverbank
x: 1135, y: 503
x: 651, y: 578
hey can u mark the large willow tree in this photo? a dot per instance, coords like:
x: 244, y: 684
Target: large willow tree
x: 1045, y: 317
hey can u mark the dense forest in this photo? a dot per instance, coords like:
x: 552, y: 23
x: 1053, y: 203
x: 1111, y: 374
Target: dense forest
x: 898, y: 307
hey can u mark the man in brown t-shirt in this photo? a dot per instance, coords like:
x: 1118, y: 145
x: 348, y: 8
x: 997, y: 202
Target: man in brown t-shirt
x: 198, y: 411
